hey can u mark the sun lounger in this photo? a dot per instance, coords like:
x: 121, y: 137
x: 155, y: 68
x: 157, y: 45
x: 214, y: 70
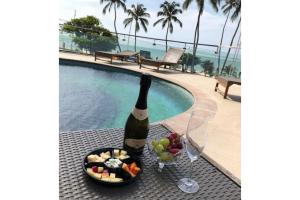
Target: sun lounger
x: 145, y: 54
x: 171, y: 58
x: 226, y: 82
x: 123, y: 55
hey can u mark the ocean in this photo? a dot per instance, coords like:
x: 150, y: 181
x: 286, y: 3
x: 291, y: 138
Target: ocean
x: 157, y: 50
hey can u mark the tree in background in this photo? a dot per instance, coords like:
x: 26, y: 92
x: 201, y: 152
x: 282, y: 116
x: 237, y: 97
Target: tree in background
x: 200, y: 4
x: 227, y: 8
x: 169, y: 12
x: 90, y: 34
x: 116, y: 4
x: 208, y: 67
x: 230, y: 70
x: 187, y: 61
x: 236, y: 13
x: 137, y: 14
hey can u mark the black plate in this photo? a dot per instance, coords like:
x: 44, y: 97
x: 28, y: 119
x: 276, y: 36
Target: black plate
x: 127, y: 178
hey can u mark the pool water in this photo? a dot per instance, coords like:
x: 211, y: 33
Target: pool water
x: 92, y: 98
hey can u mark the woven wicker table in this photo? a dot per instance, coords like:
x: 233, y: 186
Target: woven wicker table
x: 74, y: 184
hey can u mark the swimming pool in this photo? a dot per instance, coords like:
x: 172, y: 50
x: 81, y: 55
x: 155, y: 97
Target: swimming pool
x: 92, y: 98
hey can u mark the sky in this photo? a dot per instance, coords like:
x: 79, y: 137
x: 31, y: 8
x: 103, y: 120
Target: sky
x: 211, y: 23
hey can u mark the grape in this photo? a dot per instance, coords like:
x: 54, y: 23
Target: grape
x: 174, y: 151
x: 159, y: 148
x: 165, y: 156
x: 165, y: 142
x: 154, y: 143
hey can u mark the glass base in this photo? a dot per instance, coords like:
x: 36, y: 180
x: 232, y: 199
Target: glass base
x: 188, y: 185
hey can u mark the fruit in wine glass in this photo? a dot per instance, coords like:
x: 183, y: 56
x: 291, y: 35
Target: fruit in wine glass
x: 154, y: 143
x: 165, y: 156
x: 168, y: 147
x: 165, y: 142
x: 159, y: 148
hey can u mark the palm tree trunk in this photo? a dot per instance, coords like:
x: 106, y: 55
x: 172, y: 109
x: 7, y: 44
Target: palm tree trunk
x: 167, y: 40
x: 193, y: 56
x: 230, y: 45
x: 220, y: 46
x: 196, y: 45
x: 195, y: 42
x: 129, y: 36
x: 115, y: 9
x: 135, y: 37
x: 167, y: 36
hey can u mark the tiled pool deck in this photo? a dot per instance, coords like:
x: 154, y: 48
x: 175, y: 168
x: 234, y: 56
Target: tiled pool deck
x: 223, y: 145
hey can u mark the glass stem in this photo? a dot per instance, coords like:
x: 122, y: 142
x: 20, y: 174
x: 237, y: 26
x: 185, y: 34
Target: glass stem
x: 190, y: 175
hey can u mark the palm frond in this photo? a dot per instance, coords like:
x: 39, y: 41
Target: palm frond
x: 144, y: 20
x: 165, y: 22
x: 215, y: 4
x: 160, y: 13
x: 158, y: 21
x: 171, y: 27
x: 176, y: 11
x: 144, y: 24
x: 119, y: 3
x: 137, y: 26
x: 186, y: 4
x: 175, y: 19
x: 127, y: 21
x: 105, y: 8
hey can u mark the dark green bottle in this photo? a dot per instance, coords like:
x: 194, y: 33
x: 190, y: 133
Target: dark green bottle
x: 137, y: 125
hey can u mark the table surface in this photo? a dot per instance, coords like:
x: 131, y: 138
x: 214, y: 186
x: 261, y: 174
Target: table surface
x: 75, y: 184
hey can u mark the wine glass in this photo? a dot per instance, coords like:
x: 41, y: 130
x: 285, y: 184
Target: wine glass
x: 196, y: 127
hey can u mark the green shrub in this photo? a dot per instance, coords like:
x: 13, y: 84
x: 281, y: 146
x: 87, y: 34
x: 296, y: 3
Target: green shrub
x: 208, y: 67
x: 89, y: 34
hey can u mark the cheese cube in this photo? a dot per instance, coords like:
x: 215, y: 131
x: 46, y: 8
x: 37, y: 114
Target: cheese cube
x: 100, y: 169
x: 122, y: 157
x: 124, y: 153
x: 92, y: 158
x: 105, y: 175
x: 116, y: 152
x: 104, y: 155
x: 112, y: 175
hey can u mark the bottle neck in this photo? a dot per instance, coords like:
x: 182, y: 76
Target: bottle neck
x: 142, y: 99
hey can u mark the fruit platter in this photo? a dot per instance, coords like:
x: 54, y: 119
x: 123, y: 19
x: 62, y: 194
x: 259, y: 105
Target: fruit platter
x: 166, y: 149
x: 111, y: 166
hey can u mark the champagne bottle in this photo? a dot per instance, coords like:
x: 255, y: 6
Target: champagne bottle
x: 137, y: 125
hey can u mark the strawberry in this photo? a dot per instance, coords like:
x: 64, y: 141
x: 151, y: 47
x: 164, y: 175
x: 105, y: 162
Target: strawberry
x: 95, y: 169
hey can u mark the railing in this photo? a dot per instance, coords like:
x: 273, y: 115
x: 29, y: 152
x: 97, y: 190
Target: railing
x: 154, y: 48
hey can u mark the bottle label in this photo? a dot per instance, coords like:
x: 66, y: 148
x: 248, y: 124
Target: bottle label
x: 135, y: 143
x: 140, y: 114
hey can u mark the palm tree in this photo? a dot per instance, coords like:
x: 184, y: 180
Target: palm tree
x: 137, y: 14
x: 200, y: 4
x: 169, y: 12
x: 227, y: 8
x: 235, y: 14
x: 116, y: 4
